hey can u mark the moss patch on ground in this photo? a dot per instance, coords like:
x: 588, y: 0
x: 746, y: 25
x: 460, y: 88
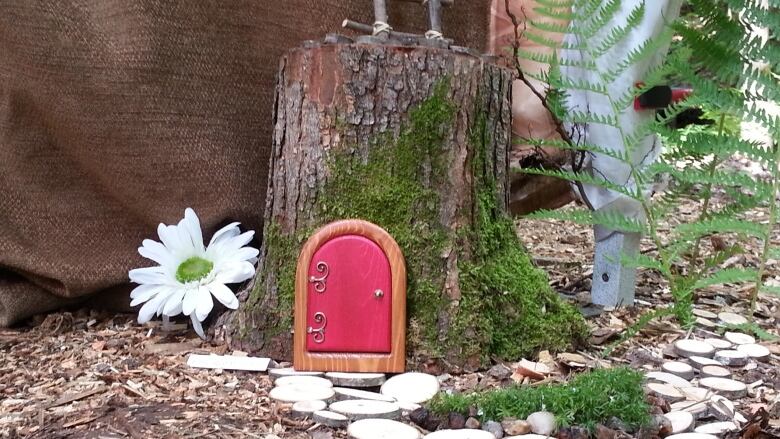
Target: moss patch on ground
x: 587, y: 400
x: 507, y: 308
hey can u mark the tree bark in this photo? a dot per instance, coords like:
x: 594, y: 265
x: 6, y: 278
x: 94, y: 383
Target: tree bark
x: 416, y: 140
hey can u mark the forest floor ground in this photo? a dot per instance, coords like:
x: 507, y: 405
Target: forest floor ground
x: 87, y: 374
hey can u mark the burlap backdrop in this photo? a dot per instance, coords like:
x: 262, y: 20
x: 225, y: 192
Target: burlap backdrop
x: 115, y: 115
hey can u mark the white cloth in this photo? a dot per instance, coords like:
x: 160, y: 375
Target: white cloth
x: 658, y: 14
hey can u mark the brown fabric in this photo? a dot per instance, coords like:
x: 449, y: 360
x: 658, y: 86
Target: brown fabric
x: 117, y: 114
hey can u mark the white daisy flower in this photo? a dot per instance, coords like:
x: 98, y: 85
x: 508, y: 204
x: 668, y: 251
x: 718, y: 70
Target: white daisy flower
x: 190, y: 273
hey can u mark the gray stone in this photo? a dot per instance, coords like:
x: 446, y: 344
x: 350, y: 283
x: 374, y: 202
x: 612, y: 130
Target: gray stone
x: 494, y: 428
x: 500, y: 371
x: 472, y: 423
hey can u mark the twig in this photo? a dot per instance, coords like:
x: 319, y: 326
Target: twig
x: 559, y: 128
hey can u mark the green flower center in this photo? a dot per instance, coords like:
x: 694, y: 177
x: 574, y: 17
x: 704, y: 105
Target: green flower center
x: 194, y: 268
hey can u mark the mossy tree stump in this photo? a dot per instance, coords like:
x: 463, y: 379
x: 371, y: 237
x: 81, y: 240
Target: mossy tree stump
x: 415, y: 140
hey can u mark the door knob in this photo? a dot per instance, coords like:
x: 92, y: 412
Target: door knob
x: 379, y: 293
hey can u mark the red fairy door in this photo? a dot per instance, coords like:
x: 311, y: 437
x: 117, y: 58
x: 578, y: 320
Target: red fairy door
x: 349, y: 303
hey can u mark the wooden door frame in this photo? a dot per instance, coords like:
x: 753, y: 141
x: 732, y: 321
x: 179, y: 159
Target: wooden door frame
x: 352, y: 362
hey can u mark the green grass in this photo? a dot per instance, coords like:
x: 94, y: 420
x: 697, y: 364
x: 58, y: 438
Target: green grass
x: 588, y: 399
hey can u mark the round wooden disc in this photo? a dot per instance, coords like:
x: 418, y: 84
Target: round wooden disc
x: 724, y: 386
x: 731, y: 358
x: 721, y: 408
x: 289, y: 371
x: 739, y: 338
x: 668, y: 378
x: 718, y: 343
x: 466, y: 433
x: 666, y: 391
x: 760, y: 353
x: 682, y: 421
x: 691, y: 436
x: 295, y: 393
x: 343, y: 393
x: 682, y: 370
x: 330, y: 419
x: 698, y: 312
x: 697, y: 409
x: 698, y: 362
x: 715, y: 371
x: 689, y: 348
x: 304, y: 409
x: 717, y: 427
x: 303, y: 381
x: 729, y: 318
x: 356, y: 409
x: 411, y: 387
x: 696, y: 393
x: 381, y: 429
x: 346, y: 379
x: 707, y: 323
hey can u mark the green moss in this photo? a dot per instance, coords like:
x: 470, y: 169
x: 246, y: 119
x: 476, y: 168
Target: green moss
x: 506, y: 304
x: 588, y: 399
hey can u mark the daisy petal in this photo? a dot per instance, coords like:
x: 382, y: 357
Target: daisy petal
x: 205, y: 303
x: 197, y: 326
x: 148, y: 275
x: 228, y: 231
x: 244, y: 254
x: 223, y: 294
x: 173, y: 305
x: 192, y: 224
x: 236, y: 272
x: 168, y: 236
x: 150, y: 308
x: 139, y: 297
x: 190, y: 301
x: 157, y: 252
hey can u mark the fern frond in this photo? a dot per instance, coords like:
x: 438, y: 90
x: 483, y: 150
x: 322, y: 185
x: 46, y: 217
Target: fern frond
x: 610, y: 220
x: 585, y: 179
x: 720, y: 225
x: 727, y: 276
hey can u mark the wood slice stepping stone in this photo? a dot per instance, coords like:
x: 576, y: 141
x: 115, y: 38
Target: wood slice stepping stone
x: 698, y: 312
x: 681, y: 421
x: 692, y: 436
x: 707, y: 323
x: 302, y: 381
x: 413, y: 387
x: 731, y: 358
x: 345, y: 379
x: 757, y: 351
x: 289, y: 371
x: 344, y: 393
x: 467, y: 433
x: 407, y: 407
x: 304, y: 409
x: 688, y: 348
x: 722, y: 408
x: 330, y: 419
x: 715, y: 371
x: 699, y: 362
x: 682, y: 370
x: 294, y: 393
x: 718, y: 343
x: 717, y: 428
x: 357, y: 409
x: 666, y: 391
x: 696, y: 393
x: 739, y: 338
x: 696, y: 408
x: 729, y: 388
x: 381, y: 429
x: 730, y: 318
x: 668, y: 378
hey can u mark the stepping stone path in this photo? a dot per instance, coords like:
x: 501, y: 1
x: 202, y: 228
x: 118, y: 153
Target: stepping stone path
x: 289, y: 371
x: 699, y: 362
x: 682, y: 370
x: 739, y: 338
x: 718, y: 343
x: 726, y: 387
x: 729, y: 318
x: 666, y: 391
x: 717, y: 428
x: 715, y: 371
x: 698, y: 312
x: 304, y: 409
x: 303, y: 381
x: 343, y: 393
x: 681, y: 421
x: 330, y: 419
x: 294, y: 393
x: 731, y: 358
x: 692, y: 436
x: 345, y: 379
x: 356, y: 409
x: 688, y: 348
x: 381, y: 429
x: 411, y: 387
x: 668, y: 378
x: 757, y: 351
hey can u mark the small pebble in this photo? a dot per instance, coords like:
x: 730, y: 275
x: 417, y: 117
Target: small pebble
x: 542, y: 422
x: 494, y: 428
x: 513, y: 427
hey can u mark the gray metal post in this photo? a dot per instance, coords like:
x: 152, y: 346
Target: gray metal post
x: 613, y: 284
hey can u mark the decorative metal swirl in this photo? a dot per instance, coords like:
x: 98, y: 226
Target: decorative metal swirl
x: 318, y: 334
x: 320, y: 282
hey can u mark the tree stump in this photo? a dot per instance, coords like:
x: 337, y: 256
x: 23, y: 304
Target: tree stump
x: 415, y: 140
